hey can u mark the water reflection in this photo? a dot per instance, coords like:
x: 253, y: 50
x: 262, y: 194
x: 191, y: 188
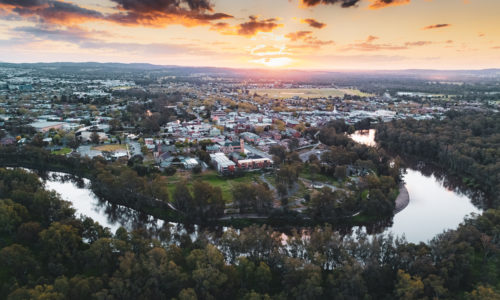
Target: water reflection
x: 437, y: 203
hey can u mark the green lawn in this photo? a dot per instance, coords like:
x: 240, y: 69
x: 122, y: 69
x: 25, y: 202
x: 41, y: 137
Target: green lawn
x: 317, y: 177
x: 62, y: 151
x: 212, y: 177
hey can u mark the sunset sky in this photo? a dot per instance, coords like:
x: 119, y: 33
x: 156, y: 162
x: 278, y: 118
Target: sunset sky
x: 298, y: 34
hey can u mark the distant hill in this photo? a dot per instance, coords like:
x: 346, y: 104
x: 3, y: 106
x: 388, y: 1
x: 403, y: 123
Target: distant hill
x: 418, y: 74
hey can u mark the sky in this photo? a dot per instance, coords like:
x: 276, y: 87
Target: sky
x: 275, y: 34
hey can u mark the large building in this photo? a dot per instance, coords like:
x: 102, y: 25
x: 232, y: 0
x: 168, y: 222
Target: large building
x: 44, y: 126
x: 222, y: 163
x: 251, y: 161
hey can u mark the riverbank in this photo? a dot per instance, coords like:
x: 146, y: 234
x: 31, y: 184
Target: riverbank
x: 403, y: 199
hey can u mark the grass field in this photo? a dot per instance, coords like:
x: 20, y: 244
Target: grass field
x: 308, y: 93
x: 212, y: 177
x: 110, y: 148
x: 62, y: 151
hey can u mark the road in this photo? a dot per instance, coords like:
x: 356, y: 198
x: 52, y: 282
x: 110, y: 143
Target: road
x: 257, y: 151
x: 305, y: 156
x: 309, y: 182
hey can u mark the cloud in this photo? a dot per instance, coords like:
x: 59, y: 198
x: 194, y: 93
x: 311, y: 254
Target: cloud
x: 418, y: 43
x: 269, y: 51
x: 299, y: 35
x: 154, y: 13
x: 377, y: 4
x: 87, y: 41
x: 435, y: 26
x: 74, y: 34
x: 50, y: 11
x: 369, y: 45
x: 159, y: 13
x: 313, y: 23
x: 307, y: 40
x: 342, y: 3
x: 254, y: 26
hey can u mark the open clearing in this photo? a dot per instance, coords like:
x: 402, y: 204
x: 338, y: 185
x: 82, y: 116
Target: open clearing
x: 216, y: 180
x: 110, y: 148
x: 308, y: 93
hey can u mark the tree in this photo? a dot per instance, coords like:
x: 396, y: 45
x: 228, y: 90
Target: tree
x: 314, y: 169
x: 94, y: 137
x: 182, y: 197
x: 60, y: 246
x: 278, y: 151
x: 293, y: 144
x: 483, y: 293
x: 340, y: 172
x: 197, y: 169
x: 408, y: 287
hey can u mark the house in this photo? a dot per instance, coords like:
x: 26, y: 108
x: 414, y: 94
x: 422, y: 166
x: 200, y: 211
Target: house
x: 250, y: 137
x: 84, y: 136
x: 189, y: 163
x: 222, y: 163
x: 233, y: 146
x: 8, y: 141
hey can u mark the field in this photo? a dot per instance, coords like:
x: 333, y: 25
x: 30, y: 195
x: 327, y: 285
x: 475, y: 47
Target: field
x: 110, y: 148
x: 308, y: 93
x: 62, y: 151
x: 212, y: 177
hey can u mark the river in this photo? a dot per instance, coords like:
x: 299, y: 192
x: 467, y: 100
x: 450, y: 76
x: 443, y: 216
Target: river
x: 433, y: 206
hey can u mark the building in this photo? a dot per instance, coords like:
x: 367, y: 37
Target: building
x: 251, y: 161
x: 230, y: 147
x: 189, y: 163
x: 222, y: 163
x: 44, y: 126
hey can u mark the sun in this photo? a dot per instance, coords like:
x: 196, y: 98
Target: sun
x: 274, y: 62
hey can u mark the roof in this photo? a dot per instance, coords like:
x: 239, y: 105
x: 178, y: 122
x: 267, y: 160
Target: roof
x: 44, y: 124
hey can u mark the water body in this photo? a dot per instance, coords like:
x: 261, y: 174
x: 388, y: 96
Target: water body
x: 78, y: 192
x: 434, y: 206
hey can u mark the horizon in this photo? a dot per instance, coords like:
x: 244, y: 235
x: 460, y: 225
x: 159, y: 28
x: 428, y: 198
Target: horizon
x: 309, y: 35
x: 251, y: 68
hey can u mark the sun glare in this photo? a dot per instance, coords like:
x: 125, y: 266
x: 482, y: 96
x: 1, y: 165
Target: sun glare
x: 273, y: 62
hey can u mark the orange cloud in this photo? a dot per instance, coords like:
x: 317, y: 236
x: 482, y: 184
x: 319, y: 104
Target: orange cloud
x: 308, y: 41
x: 435, y: 26
x: 377, y: 4
x: 313, y: 23
x: 55, y: 12
x: 158, y: 13
x: 294, y: 36
x: 369, y: 45
x: 254, y: 26
x: 342, y: 3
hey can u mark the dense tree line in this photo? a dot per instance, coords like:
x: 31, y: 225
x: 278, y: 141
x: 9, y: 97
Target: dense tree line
x: 133, y: 185
x: 48, y: 253
x: 466, y: 144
